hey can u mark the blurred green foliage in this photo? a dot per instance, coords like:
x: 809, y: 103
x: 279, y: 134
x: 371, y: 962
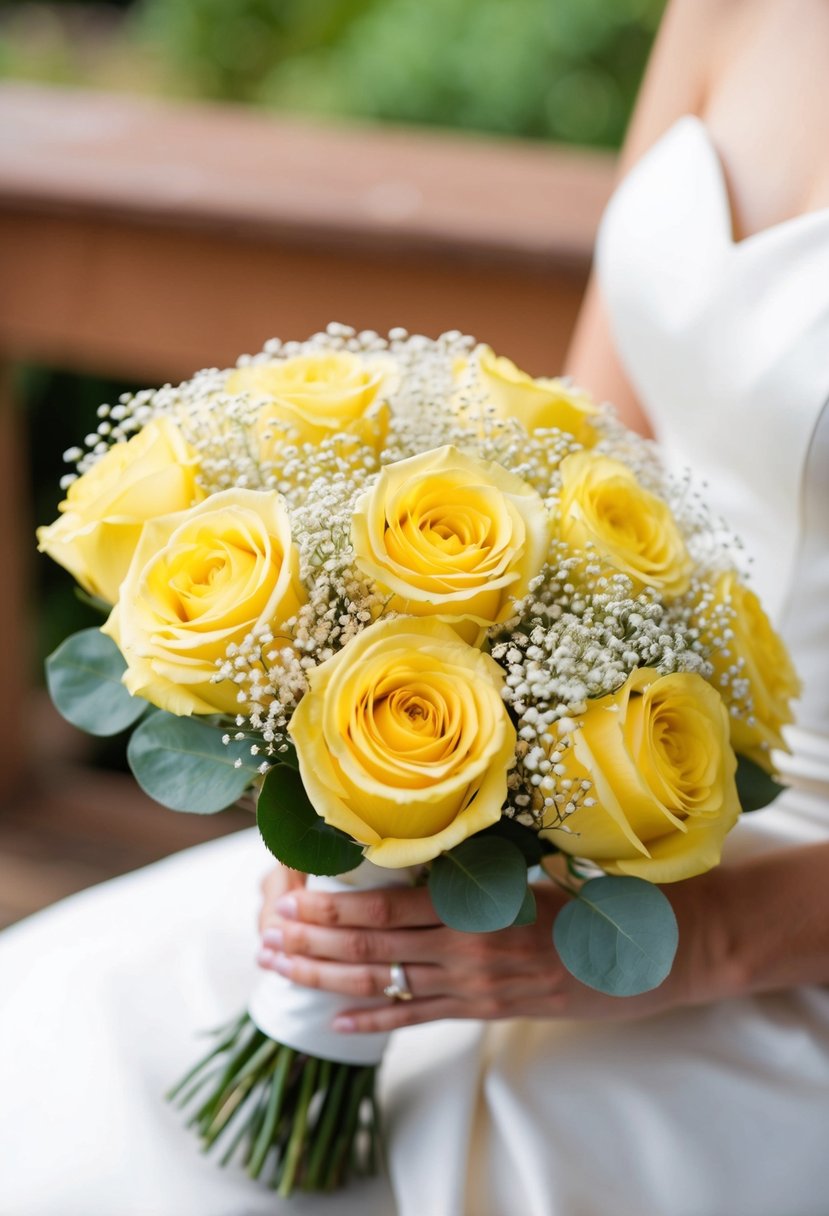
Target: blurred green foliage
x: 226, y: 49
x: 547, y: 69
x: 60, y: 408
x: 558, y: 69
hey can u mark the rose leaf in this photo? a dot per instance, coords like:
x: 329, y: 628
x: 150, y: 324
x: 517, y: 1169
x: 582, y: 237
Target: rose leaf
x: 183, y: 764
x: 619, y: 935
x: 93, y: 601
x: 480, y: 885
x: 295, y: 833
x: 288, y: 757
x: 528, y: 840
x: 84, y: 680
x: 755, y: 787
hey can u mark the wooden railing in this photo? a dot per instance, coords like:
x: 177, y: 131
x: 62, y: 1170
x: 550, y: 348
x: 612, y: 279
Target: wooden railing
x: 145, y: 240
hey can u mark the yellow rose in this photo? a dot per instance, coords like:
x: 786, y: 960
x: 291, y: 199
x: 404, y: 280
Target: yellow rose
x: 310, y: 397
x: 199, y: 581
x: 662, y: 773
x: 536, y: 404
x: 104, y: 510
x: 404, y: 741
x: 603, y: 505
x: 764, y: 663
x: 451, y: 536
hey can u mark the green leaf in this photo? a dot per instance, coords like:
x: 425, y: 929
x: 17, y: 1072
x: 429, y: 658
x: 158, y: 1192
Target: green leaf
x: 84, y: 680
x: 755, y: 787
x: 528, y: 912
x: 480, y: 885
x: 294, y: 832
x: 528, y: 840
x: 619, y: 935
x: 289, y: 757
x: 93, y: 601
x: 183, y: 764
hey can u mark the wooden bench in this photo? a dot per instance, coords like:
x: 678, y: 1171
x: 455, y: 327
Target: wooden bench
x: 145, y: 240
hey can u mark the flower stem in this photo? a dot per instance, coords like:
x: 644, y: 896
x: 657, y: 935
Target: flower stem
x: 314, y: 1120
x: 295, y: 1143
x: 264, y: 1139
x: 326, y: 1126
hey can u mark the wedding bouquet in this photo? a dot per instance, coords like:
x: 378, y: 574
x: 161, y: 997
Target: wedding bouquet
x: 443, y: 622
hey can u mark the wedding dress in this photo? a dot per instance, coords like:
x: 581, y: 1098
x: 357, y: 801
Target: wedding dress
x: 713, y: 1111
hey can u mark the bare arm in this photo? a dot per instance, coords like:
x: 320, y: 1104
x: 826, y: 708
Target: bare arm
x: 775, y: 919
x: 675, y: 84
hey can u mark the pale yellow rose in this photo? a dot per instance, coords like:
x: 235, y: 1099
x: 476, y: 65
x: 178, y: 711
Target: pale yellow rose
x: 404, y: 741
x: 307, y: 398
x: 658, y: 756
x: 631, y: 530
x: 105, y: 509
x: 451, y: 536
x: 199, y: 581
x: 763, y: 661
x: 535, y: 403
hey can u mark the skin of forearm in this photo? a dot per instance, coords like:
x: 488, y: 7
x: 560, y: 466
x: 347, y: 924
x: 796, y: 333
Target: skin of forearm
x: 762, y: 924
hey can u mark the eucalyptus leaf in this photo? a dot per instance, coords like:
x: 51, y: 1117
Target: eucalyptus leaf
x: 184, y: 765
x: 755, y: 787
x: 295, y: 833
x: 619, y: 935
x: 528, y: 912
x: 84, y: 680
x: 480, y: 885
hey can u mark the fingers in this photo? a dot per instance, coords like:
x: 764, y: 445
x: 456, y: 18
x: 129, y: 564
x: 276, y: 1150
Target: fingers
x: 345, y: 942
x: 366, y: 981
x: 351, y: 945
x: 356, y: 962
x: 387, y: 908
x: 277, y: 882
x: 401, y: 1013
x: 396, y: 1014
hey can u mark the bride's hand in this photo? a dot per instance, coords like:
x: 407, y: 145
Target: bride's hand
x: 346, y: 943
x: 277, y: 882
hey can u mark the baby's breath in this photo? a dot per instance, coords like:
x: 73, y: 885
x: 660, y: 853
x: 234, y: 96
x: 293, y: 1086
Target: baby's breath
x: 576, y: 635
x: 568, y: 645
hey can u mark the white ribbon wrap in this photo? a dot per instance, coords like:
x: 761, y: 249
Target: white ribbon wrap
x: 301, y: 1017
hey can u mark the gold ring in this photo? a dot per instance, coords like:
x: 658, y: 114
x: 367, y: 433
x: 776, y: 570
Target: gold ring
x: 398, y: 988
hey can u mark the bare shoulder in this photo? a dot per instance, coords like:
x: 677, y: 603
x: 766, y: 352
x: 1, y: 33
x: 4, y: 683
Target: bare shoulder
x: 680, y: 70
x: 696, y: 47
x: 768, y: 105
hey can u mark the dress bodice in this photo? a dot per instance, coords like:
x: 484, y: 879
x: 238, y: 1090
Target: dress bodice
x: 727, y: 344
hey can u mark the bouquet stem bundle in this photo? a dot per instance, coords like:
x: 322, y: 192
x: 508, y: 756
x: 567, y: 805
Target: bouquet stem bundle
x: 301, y: 1122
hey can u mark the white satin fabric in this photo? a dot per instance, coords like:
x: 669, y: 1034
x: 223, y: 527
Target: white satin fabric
x: 720, y: 1111
x: 302, y: 1017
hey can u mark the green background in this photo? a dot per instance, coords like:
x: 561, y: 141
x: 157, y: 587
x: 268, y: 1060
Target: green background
x: 566, y: 70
